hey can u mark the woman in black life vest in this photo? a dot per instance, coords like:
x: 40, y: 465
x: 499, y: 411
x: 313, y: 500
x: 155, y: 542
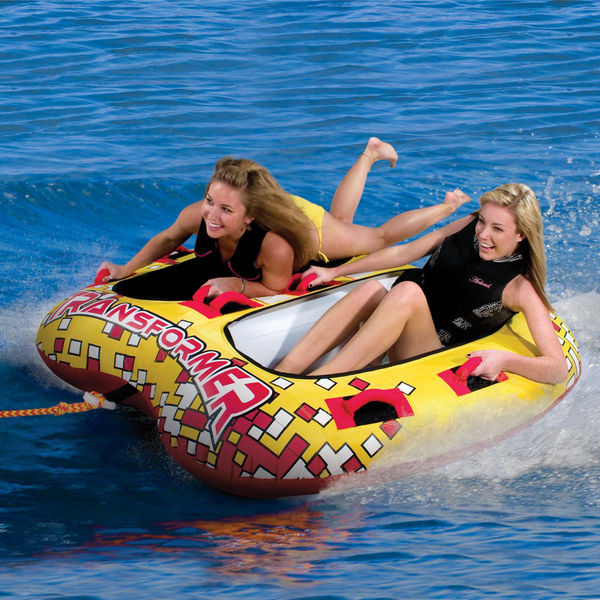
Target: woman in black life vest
x: 252, y: 234
x: 484, y: 267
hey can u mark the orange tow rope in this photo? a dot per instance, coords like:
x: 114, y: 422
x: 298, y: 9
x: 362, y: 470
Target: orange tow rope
x: 92, y: 401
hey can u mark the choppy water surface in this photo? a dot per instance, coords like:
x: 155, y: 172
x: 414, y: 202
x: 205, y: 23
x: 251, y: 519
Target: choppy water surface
x: 111, y: 116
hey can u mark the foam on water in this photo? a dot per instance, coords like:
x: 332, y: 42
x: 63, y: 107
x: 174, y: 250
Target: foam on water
x: 563, y: 439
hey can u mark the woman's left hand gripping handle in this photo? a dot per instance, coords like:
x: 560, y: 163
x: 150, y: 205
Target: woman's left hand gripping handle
x: 109, y: 272
x: 102, y: 276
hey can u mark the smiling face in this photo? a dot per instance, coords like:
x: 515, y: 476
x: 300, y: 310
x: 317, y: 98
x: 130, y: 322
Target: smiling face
x: 224, y: 212
x: 496, y: 231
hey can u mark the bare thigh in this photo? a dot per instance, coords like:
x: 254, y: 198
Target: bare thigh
x: 340, y: 240
x: 419, y: 334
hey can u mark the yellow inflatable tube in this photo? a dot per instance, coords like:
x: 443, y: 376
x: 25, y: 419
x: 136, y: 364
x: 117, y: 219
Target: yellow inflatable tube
x: 206, y: 376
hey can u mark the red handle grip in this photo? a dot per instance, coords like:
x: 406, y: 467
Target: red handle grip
x: 102, y: 273
x: 390, y: 397
x: 226, y: 297
x: 344, y: 410
x: 201, y: 293
x: 470, y: 365
x: 305, y: 282
x: 222, y: 299
x: 303, y: 286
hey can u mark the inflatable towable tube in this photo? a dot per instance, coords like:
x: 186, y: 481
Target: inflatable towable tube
x: 206, y: 377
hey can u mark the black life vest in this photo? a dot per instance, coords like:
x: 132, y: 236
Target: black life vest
x: 180, y: 281
x: 241, y: 264
x: 464, y: 292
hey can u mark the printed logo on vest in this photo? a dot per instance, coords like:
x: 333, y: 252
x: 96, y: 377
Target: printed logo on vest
x: 480, y: 281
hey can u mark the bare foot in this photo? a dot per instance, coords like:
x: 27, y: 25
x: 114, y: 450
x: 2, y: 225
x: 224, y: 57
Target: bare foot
x: 455, y: 199
x: 378, y: 150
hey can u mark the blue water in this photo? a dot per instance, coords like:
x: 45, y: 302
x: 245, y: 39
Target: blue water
x: 111, y: 116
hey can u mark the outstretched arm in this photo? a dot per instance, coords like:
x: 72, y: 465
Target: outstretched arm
x: 187, y: 224
x: 549, y: 365
x: 391, y: 257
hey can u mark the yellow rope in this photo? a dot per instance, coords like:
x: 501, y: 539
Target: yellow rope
x: 93, y: 400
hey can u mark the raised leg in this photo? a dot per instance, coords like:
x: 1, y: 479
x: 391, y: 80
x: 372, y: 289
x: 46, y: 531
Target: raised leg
x: 349, y: 191
x: 412, y: 222
x: 346, y: 239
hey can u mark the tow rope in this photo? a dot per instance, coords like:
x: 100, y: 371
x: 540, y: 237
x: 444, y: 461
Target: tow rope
x: 92, y: 401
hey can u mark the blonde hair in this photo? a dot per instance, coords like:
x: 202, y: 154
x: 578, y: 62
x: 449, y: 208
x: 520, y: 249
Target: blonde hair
x: 521, y: 201
x: 271, y: 207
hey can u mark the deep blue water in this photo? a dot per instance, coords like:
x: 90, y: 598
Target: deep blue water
x: 111, y: 116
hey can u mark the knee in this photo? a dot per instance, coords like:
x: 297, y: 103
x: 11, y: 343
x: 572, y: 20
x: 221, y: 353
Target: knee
x: 345, y: 217
x: 383, y: 240
x: 407, y: 293
x: 368, y: 295
x: 369, y: 290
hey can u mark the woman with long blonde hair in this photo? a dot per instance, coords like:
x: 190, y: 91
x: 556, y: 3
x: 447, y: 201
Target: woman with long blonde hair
x: 483, y: 268
x: 251, y: 235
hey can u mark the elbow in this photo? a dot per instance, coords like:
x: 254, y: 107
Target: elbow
x: 271, y: 291
x: 563, y: 374
x: 551, y: 370
x: 559, y: 372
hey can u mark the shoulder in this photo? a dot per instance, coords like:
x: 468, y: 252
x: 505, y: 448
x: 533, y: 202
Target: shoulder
x: 520, y: 295
x: 458, y: 225
x: 275, y: 248
x: 192, y: 211
x: 437, y: 237
x: 191, y: 217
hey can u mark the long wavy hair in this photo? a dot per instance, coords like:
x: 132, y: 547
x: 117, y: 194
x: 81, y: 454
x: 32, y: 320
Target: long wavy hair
x: 271, y: 207
x: 523, y: 204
